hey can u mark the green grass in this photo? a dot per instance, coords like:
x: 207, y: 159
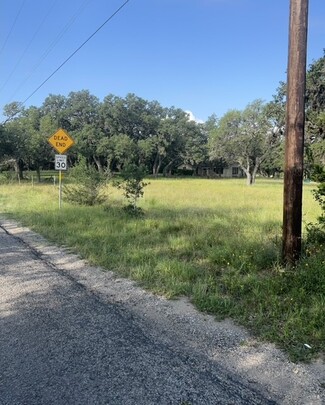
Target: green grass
x: 215, y: 241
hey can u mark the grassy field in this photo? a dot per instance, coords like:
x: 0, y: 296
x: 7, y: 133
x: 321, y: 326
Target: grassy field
x: 215, y: 241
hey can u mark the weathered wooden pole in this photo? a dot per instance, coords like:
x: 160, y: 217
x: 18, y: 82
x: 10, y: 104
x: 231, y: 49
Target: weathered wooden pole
x: 295, y: 128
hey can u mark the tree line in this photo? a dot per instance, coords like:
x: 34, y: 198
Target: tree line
x: 131, y: 130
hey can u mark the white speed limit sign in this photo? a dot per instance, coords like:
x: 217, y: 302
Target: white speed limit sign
x: 60, y: 162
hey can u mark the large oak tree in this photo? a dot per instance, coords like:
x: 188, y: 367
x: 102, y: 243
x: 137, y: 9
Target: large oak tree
x: 244, y: 137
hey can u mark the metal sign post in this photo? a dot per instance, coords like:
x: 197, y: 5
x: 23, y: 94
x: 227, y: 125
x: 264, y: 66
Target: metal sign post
x: 60, y: 189
x: 61, y: 165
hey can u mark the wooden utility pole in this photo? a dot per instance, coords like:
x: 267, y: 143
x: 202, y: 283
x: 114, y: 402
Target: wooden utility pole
x: 295, y: 128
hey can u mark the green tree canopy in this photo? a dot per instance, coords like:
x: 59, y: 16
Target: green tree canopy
x: 244, y: 137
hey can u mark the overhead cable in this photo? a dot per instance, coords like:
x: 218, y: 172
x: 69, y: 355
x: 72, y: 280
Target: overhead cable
x: 51, y: 47
x: 12, y: 26
x: 28, y: 46
x: 71, y: 55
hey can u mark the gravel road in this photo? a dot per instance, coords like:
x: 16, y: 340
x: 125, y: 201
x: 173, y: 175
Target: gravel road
x: 71, y: 333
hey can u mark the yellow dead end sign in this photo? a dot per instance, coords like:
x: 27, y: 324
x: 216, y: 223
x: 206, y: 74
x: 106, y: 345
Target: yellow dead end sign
x: 61, y: 141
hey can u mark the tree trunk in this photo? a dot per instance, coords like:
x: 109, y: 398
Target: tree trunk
x: 251, y: 172
x: 255, y: 173
x: 109, y: 163
x: 249, y: 178
x: 38, y: 174
x: 98, y: 164
x: 154, y: 167
x: 19, y: 169
x: 247, y: 171
x: 167, y: 169
x: 157, y: 165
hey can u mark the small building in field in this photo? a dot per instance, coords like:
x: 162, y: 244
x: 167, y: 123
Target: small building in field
x: 233, y: 171
x: 212, y: 171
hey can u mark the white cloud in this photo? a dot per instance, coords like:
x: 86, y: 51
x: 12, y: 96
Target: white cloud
x: 192, y: 117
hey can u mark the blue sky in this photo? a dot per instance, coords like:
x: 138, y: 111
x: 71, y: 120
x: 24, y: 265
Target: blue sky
x: 204, y: 56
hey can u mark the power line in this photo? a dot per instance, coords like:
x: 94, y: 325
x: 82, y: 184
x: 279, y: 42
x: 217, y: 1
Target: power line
x: 51, y: 46
x: 77, y: 50
x: 27, y: 47
x: 73, y: 53
x: 12, y: 26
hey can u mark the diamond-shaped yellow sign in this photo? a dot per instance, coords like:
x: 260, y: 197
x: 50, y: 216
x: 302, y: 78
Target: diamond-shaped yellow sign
x: 61, y: 141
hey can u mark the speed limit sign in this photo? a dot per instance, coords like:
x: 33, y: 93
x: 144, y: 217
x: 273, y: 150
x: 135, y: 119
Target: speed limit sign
x: 60, y: 162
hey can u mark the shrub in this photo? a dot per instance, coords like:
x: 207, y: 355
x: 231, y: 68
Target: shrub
x: 8, y: 177
x: 132, y: 184
x: 184, y: 172
x: 316, y: 232
x: 87, y: 187
x: 318, y: 173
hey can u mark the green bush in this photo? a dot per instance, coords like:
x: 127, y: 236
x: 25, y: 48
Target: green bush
x: 87, y: 185
x: 132, y: 184
x: 184, y: 172
x: 316, y: 232
x: 7, y: 177
x: 318, y: 173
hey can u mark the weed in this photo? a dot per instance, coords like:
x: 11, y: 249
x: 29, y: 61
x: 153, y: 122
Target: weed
x: 216, y: 242
x: 87, y: 187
